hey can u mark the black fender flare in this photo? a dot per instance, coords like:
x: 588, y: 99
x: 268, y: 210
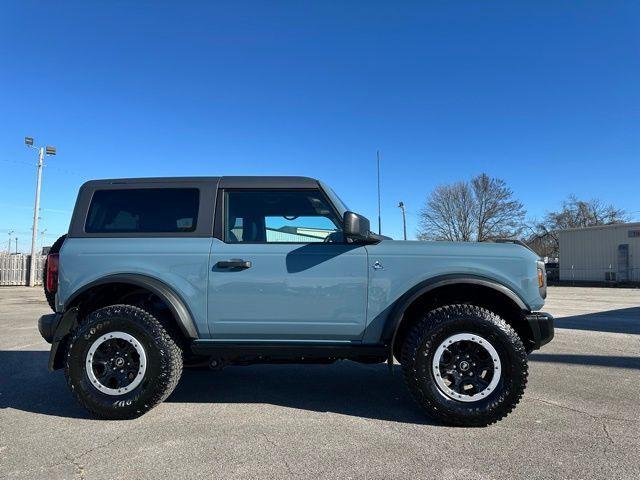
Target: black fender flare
x: 178, y: 307
x: 396, y: 316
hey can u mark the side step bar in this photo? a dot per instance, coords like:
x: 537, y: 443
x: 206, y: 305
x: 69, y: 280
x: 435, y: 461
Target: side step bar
x: 286, y: 350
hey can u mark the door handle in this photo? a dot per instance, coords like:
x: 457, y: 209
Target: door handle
x: 234, y: 263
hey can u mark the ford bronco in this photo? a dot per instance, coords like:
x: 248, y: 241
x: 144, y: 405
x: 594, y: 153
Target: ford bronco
x: 157, y: 274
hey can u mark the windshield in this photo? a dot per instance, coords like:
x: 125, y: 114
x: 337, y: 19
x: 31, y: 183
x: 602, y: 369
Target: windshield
x: 335, y: 199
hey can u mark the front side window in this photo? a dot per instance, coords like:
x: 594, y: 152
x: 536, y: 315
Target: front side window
x: 143, y: 210
x: 280, y: 216
x: 333, y: 196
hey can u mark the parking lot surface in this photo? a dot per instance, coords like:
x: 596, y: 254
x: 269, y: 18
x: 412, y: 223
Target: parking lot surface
x: 579, y: 417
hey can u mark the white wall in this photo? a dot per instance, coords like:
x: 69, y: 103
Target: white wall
x: 592, y: 251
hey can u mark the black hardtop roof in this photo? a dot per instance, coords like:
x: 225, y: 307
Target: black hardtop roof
x: 223, y: 182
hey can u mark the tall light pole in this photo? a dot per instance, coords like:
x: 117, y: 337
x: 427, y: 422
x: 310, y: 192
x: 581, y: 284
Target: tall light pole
x: 379, y: 217
x: 42, y: 235
x: 28, y: 141
x: 404, y: 219
x: 9, y: 248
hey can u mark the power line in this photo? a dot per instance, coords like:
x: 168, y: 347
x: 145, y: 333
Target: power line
x: 27, y: 232
x: 46, y: 165
x: 16, y: 162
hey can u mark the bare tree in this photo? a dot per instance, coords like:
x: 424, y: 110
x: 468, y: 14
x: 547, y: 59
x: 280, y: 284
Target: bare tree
x: 575, y: 213
x: 498, y: 214
x: 448, y: 213
x: 471, y: 211
x: 542, y: 241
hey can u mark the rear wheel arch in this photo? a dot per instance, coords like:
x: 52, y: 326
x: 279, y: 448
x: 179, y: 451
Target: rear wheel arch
x: 434, y: 293
x: 130, y: 288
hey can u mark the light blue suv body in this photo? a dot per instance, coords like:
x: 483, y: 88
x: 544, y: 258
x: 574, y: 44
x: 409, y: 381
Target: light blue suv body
x: 296, y: 290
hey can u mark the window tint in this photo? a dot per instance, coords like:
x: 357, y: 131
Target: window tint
x: 279, y: 216
x: 144, y: 210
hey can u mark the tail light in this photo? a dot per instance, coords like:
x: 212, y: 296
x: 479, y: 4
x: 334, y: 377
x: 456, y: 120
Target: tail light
x: 53, y: 262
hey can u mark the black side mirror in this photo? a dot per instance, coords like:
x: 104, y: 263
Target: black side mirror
x: 356, y: 227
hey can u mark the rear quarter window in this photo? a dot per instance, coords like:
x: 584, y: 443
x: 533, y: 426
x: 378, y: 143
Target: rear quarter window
x: 143, y: 210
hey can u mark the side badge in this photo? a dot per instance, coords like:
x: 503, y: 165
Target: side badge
x: 377, y: 265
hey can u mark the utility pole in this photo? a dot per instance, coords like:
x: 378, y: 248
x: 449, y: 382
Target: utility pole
x: 379, y: 216
x: 9, y: 247
x: 36, y: 212
x: 16, y: 245
x: 28, y: 141
x: 42, y: 234
x: 404, y: 219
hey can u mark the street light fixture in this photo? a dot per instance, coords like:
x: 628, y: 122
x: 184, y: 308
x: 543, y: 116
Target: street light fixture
x: 404, y: 219
x: 10, y: 232
x: 48, y: 150
x: 43, y: 233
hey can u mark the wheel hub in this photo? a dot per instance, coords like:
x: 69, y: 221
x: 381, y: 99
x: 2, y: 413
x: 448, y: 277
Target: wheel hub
x: 466, y: 367
x: 116, y: 363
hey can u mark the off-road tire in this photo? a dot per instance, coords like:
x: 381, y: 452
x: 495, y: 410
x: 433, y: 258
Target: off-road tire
x: 50, y: 296
x: 430, y: 331
x: 163, y: 357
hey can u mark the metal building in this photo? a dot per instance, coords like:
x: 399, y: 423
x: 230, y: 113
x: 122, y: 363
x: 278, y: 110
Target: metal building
x: 606, y: 253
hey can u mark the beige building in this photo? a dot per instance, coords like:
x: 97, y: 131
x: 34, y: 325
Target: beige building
x: 607, y: 253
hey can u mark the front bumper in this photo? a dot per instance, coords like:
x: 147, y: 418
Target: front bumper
x: 47, y: 325
x: 541, y: 324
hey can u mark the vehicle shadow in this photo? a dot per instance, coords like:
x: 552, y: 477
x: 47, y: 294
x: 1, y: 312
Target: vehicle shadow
x: 346, y: 388
x: 313, y: 254
x: 27, y: 385
x: 612, y: 361
x: 622, y: 320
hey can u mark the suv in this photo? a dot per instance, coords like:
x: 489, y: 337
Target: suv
x: 158, y: 274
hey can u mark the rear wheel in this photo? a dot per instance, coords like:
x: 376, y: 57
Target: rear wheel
x: 51, y: 296
x: 121, y: 362
x: 464, y: 365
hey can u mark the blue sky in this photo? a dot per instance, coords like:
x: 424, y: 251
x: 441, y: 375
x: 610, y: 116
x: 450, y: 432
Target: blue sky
x: 542, y: 94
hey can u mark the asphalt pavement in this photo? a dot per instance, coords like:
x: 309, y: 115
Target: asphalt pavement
x: 579, y: 417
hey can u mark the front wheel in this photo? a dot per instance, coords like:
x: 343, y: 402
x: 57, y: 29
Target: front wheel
x: 121, y: 362
x: 464, y: 365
